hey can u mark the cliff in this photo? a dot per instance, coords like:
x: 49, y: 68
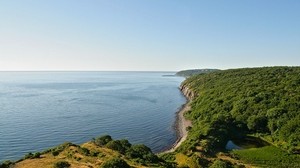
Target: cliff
x: 187, y: 92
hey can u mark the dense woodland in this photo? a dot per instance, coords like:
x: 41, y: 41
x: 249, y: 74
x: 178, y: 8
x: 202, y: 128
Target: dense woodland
x: 231, y: 104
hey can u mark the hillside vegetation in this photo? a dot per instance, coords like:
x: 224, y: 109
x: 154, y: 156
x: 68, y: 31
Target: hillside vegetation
x: 101, y: 152
x: 191, y: 72
x: 233, y: 104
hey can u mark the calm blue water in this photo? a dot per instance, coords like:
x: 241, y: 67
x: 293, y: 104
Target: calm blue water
x: 39, y: 110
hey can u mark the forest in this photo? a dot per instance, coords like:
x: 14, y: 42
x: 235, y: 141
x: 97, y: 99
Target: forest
x: 236, y: 103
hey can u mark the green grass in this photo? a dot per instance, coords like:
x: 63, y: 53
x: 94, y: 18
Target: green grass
x: 268, y: 156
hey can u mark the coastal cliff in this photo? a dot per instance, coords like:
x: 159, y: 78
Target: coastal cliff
x: 187, y: 92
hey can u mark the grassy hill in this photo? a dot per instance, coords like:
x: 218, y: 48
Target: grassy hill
x: 101, y: 152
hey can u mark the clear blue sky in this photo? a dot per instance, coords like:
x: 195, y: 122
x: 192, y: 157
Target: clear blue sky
x: 148, y: 34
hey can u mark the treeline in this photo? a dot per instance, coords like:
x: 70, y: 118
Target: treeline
x: 191, y: 72
x: 264, y: 102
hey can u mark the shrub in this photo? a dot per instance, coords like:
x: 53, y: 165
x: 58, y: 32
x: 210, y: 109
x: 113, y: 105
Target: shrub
x: 115, y: 145
x: 28, y: 156
x: 85, y: 151
x: 55, y: 153
x: 6, y: 164
x: 119, y: 145
x: 220, y: 164
x: 143, y: 153
x: 36, y: 155
x: 115, y: 163
x: 125, y: 143
x: 62, y: 164
x: 102, y: 140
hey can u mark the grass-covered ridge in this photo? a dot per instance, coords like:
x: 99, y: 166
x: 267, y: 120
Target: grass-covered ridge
x: 230, y: 104
x: 101, y: 152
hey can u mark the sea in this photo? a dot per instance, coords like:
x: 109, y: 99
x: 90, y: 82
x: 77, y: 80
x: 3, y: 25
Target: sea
x: 39, y: 110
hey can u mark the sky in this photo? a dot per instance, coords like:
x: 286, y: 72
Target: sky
x: 148, y: 35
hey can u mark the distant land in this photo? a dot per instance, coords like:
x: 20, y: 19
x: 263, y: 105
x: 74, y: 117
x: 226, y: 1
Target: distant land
x: 241, y: 118
x: 191, y: 72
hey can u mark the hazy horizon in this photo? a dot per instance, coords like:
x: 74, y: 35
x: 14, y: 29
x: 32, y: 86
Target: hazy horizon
x: 158, y: 71
x: 148, y: 35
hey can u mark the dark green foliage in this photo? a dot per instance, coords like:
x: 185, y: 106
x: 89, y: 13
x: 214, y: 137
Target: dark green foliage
x: 143, y: 153
x: 115, y: 163
x: 56, y: 150
x: 257, y: 123
x: 28, y: 156
x: 37, y: 155
x: 139, y: 153
x: 221, y: 164
x: 125, y: 143
x: 61, y: 164
x: 233, y: 103
x: 55, y: 153
x: 119, y: 145
x: 85, y: 151
x: 168, y: 156
x: 32, y: 156
x: 102, y: 140
x: 6, y: 164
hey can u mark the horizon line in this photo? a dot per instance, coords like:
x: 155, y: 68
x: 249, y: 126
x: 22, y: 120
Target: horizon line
x: 87, y: 71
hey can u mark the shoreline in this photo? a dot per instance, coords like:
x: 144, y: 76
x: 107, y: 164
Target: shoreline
x: 181, y: 125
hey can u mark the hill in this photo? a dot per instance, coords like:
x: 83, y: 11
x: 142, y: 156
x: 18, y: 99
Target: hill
x: 262, y: 103
x: 101, y: 152
x: 191, y: 72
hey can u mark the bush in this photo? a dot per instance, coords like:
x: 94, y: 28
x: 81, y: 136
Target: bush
x: 116, y: 145
x: 115, y: 163
x: 119, y: 145
x: 143, y: 153
x: 36, y: 155
x: 55, y: 153
x: 102, y: 140
x: 62, y: 164
x: 220, y: 164
x: 6, y: 164
x: 125, y: 143
x: 85, y: 151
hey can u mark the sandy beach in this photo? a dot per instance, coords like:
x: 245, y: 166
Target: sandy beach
x: 181, y: 127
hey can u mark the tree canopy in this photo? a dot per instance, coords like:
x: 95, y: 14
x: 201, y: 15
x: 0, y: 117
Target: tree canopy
x: 232, y: 103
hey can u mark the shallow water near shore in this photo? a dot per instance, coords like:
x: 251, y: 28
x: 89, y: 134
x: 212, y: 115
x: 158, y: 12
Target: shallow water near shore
x: 39, y: 110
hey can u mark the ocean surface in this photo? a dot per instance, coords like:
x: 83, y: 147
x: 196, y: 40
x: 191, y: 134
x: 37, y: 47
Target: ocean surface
x: 39, y: 110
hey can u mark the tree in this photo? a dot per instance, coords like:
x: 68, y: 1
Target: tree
x: 220, y: 164
x: 142, y: 152
x: 116, y: 145
x: 257, y: 123
x: 115, y: 163
x: 62, y: 164
x: 102, y: 140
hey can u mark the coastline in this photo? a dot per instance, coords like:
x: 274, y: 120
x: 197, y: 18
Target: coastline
x: 181, y: 125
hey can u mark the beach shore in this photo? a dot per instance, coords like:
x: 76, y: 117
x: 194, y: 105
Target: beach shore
x: 181, y: 126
